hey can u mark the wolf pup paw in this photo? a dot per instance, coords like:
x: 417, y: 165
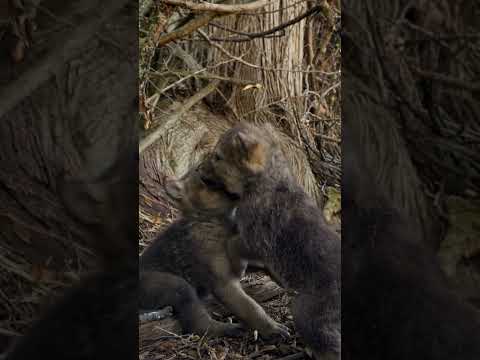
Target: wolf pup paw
x: 276, y: 330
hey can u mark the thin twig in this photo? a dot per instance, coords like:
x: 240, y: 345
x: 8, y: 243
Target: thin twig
x: 246, y: 63
x: 178, y: 82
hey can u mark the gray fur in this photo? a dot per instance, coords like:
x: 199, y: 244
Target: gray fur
x: 176, y: 259
x: 194, y: 251
x: 282, y: 227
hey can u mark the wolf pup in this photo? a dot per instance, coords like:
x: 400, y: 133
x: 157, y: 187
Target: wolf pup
x: 281, y: 226
x: 193, y: 251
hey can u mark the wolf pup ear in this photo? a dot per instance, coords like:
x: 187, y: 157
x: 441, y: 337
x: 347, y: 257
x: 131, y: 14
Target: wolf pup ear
x: 254, y: 150
x: 174, y: 189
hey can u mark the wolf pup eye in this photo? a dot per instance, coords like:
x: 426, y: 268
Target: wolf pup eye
x: 213, y: 185
x: 220, y: 187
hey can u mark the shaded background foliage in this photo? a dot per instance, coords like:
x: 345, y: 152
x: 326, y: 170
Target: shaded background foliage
x: 412, y: 71
x: 64, y: 109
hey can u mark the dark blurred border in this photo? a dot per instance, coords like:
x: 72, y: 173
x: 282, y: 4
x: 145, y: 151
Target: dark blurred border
x: 69, y: 155
x: 410, y: 179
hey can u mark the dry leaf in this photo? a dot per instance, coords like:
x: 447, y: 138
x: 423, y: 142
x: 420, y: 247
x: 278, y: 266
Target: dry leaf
x: 252, y: 86
x: 333, y: 206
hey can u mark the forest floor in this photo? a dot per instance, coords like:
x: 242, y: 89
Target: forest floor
x: 160, y: 339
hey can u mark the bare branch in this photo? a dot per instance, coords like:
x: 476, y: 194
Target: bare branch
x: 194, y: 24
x: 250, y: 36
x: 205, y: 75
x: 220, y: 8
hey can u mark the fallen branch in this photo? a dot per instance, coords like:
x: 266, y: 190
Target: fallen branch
x: 155, y: 315
x: 204, y: 75
x: 297, y: 356
x: 170, y: 120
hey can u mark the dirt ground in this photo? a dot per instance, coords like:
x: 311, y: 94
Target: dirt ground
x: 160, y: 339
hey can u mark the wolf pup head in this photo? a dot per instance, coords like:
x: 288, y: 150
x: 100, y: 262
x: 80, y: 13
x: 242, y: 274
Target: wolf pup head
x: 243, y: 153
x: 195, y: 192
